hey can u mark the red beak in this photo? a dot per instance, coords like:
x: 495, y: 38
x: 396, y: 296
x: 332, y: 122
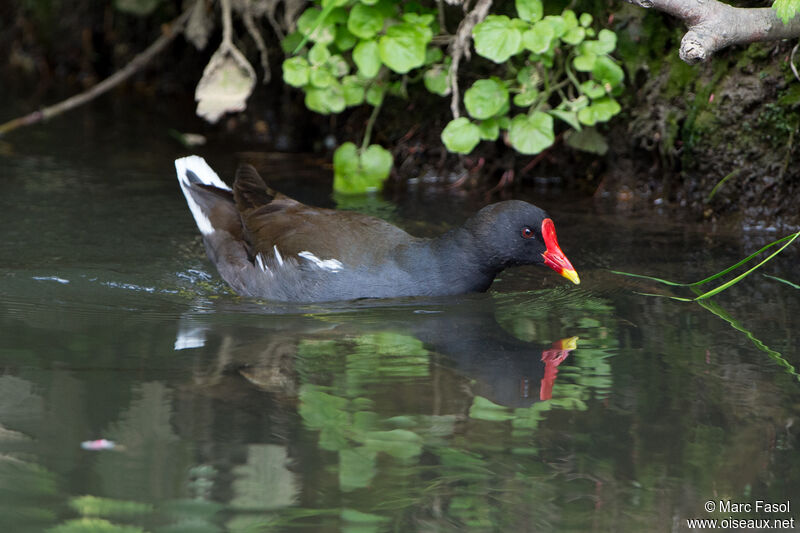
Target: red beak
x: 554, y: 257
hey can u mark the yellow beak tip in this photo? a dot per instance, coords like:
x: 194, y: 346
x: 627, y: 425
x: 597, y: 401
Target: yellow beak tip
x: 572, y: 276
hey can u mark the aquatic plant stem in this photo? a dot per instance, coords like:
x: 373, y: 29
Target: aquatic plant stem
x: 137, y: 63
x: 370, y: 122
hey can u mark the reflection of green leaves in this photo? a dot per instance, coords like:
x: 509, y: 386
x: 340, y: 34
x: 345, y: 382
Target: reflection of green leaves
x: 357, y: 172
x: 105, y: 507
x: 356, y: 468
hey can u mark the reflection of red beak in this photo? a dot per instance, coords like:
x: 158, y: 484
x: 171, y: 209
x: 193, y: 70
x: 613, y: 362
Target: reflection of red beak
x: 554, y: 257
x: 552, y: 358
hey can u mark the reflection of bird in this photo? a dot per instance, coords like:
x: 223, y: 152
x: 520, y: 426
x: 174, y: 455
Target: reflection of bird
x: 265, y: 244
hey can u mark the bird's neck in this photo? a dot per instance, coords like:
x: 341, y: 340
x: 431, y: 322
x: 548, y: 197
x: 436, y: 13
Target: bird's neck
x: 461, y: 261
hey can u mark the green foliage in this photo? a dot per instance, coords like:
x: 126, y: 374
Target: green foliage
x: 786, y: 9
x: 346, y: 53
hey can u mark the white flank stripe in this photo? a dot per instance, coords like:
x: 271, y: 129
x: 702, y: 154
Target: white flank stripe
x: 261, y: 264
x: 332, y: 265
x: 277, y: 255
x: 207, y: 175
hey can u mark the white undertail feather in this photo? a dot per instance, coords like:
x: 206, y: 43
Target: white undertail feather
x: 332, y: 265
x: 206, y: 175
x: 277, y: 255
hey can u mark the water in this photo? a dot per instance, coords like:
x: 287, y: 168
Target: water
x: 539, y: 406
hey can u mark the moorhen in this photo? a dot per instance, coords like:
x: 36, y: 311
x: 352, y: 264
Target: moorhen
x: 267, y: 245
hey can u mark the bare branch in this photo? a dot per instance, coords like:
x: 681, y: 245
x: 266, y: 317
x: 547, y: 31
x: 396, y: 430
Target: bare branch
x: 460, y: 48
x: 714, y: 25
x: 138, y: 62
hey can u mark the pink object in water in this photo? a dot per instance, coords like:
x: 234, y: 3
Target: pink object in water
x: 99, y: 444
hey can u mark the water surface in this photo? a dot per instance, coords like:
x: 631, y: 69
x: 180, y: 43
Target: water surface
x: 538, y: 406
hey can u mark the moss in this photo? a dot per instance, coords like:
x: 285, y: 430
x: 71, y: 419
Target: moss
x: 681, y: 77
x: 775, y: 125
x: 755, y: 53
x: 790, y: 97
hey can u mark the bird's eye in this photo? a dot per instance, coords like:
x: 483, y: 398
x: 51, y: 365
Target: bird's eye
x: 527, y: 233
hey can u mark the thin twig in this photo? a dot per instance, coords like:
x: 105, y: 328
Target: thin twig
x: 137, y: 63
x: 460, y: 48
x: 791, y: 62
x: 249, y: 23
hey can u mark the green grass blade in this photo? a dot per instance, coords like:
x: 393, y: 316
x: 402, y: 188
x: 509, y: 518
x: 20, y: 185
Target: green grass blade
x: 740, y: 277
x: 796, y: 286
x: 789, y: 238
x: 715, y: 308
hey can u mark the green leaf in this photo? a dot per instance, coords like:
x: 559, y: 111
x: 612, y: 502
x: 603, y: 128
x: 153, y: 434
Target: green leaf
x: 585, y: 20
x: 786, y: 9
x: 570, y: 117
x: 558, y: 24
x: 606, y: 71
x: 484, y: 409
x: 574, y: 36
x: 325, y: 100
x: 584, y: 62
x: 489, y: 129
x: 296, y: 71
x: 367, y: 58
x: 344, y: 40
x: 319, y: 54
x: 592, y: 89
x: 601, y: 110
x: 403, y: 47
x: 570, y: 20
x: 588, y: 140
x: 526, y: 97
x: 358, y: 173
x: 321, y: 77
x: 531, y: 134
x: 538, y: 38
x: 375, y: 94
x: 356, y: 468
x: 323, y: 32
x: 338, y: 65
x: 461, y: 136
x: 485, y: 98
x: 496, y: 38
x: 364, y: 21
x: 529, y: 10
x: 353, y: 91
x: 435, y: 80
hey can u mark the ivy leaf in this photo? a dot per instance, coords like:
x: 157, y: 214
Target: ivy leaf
x: 352, y: 91
x: 402, y: 48
x: 485, y: 98
x: 531, y: 134
x: 319, y: 54
x: 367, y: 58
x: 585, y: 20
x: 558, y: 24
x: 364, y: 21
x: 786, y: 9
x: 526, y: 97
x: 570, y: 117
x: 606, y: 71
x: 529, y: 10
x: 326, y: 100
x: 435, y: 80
x: 322, y: 77
x: 574, y: 36
x: 538, y: 38
x: 496, y: 38
x: 489, y: 129
x: 592, y: 89
x: 461, y: 136
x: 600, y: 111
x: 584, y: 62
x: 296, y: 71
x: 324, y: 32
x: 588, y: 140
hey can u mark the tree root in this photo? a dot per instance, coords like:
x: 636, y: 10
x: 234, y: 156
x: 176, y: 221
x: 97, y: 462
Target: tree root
x: 460, y: 48
x: 714, y: 25
x: 137, y: 63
